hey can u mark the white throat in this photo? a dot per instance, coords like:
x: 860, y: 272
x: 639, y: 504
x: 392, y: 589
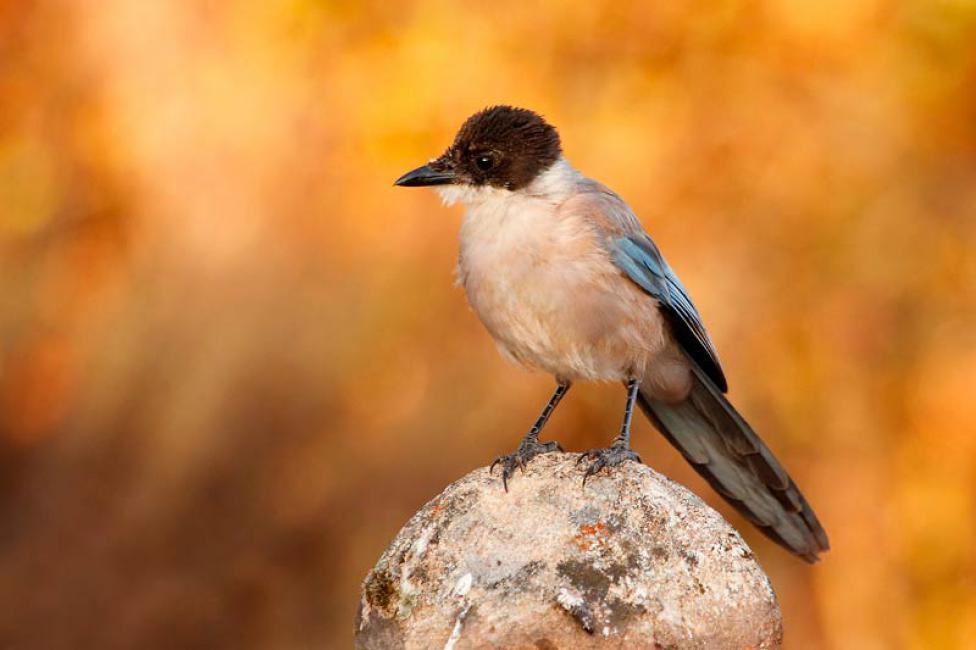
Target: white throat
x: 555, y: 184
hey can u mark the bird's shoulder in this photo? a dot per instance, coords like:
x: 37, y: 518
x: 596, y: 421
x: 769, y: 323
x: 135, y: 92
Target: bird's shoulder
x: 602, y: 209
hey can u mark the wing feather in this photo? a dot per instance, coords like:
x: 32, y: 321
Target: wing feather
x: 639, y: 258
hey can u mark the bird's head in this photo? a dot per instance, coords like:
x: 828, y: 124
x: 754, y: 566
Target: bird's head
x: 501, y: 147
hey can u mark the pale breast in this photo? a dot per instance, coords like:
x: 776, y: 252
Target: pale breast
x: 549, y: 294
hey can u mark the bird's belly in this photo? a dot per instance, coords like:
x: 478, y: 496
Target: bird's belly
x: 565, y: 318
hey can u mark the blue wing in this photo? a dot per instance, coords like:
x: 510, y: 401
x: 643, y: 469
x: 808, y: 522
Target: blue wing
x: 641, y: 261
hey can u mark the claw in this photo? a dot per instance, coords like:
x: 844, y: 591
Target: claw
x: 526, y: 451
x: 605, y: 458
x: 593, y: 469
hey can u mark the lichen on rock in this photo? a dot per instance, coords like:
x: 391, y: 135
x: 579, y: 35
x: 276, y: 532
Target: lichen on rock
x: 631, y: 560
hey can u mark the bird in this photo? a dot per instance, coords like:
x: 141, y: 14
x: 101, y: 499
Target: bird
x: 566, y: 280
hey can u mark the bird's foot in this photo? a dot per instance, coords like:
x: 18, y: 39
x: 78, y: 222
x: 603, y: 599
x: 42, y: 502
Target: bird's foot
x: 615, y: 454
x: 527, y: 450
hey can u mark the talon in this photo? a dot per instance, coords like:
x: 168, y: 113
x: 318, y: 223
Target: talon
x: 587, y: 475
x: 593, y: 469
x: 616, y: 454
x: 526, y: 451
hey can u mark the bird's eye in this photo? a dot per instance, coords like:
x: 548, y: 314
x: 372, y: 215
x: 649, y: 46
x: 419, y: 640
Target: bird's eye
x: 484, y: 163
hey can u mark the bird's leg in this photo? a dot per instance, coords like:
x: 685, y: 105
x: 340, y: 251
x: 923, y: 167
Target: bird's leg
x: 619, y: 451
x: 530, y: 446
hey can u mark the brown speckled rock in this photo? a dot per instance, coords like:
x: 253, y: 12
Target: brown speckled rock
x: 633, y: 560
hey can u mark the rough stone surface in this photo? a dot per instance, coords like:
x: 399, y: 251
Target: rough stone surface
x: 631, y: 560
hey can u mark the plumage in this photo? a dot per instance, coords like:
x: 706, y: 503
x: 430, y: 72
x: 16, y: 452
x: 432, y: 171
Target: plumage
x: 639, y: 258
x: 724, y: 449
x: 566, y: 280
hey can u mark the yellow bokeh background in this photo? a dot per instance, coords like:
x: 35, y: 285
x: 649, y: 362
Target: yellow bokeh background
x: 233, y: 361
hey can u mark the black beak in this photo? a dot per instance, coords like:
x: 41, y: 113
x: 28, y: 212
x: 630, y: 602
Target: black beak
x: 423, y: 176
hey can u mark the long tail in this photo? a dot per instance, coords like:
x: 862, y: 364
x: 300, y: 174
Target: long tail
x: 724, y: 449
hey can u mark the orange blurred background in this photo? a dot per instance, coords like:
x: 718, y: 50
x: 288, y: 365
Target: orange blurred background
x: 233, y: 363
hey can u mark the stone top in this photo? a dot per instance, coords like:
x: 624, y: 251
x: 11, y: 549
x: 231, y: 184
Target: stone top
x: 631, y: 560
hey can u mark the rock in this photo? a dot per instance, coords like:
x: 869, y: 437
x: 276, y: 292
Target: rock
x: 631, y: 560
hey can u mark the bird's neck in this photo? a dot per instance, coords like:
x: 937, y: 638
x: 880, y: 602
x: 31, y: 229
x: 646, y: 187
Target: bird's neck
x: 556, y: 184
